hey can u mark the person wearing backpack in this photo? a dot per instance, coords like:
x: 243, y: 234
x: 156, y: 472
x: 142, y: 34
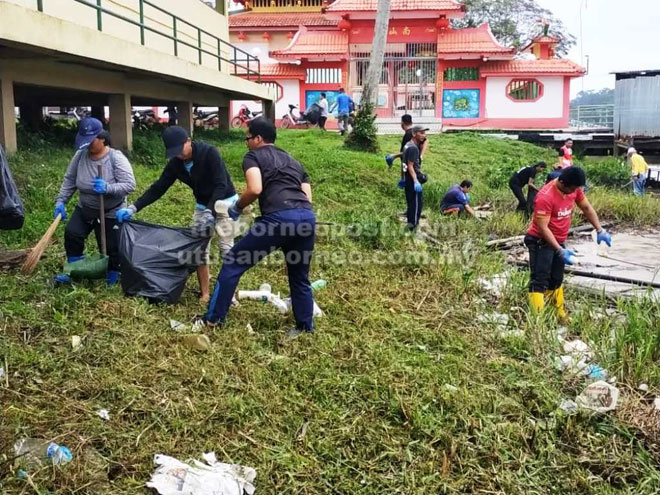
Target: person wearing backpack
x: 93, y: 148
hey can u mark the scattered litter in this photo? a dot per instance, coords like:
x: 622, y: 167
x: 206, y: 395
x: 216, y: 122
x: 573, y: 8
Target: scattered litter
x: 450, y: 388
x: 422, y: 348
x: 596, y: 372
x: 103, y: 414
x: 173, y: 477
x: 317, y: 311
x: 570, y: 363
x: 197, y: 342
x: 2, y: 372
x: 249, y: 329
x: 496, y: 284
x: 578, y: 348
x: 644, y: 387
x: 500, y: 323
x: 319, y: 284
x: 76, y: 341
x: 177, y: 326
x: 33, y: 453
x: 656, y: 403
x: 568, y: 406
x: 599, y: 397
x: 561, y: 333
x: 264, y: 294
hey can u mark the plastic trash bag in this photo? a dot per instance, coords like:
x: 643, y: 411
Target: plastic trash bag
x: 156, y: 260
x: 12, y: 214
x: 313, y: 113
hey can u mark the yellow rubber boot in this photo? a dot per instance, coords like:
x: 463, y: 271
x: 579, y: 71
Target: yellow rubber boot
x: 558, y: 300
x: 536, y: 301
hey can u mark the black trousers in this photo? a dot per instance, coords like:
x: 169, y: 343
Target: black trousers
x: 81, y: 224
x: 322, y: 121
x: 545, y: 264
x: 414, y: 203
x: 517, y: 190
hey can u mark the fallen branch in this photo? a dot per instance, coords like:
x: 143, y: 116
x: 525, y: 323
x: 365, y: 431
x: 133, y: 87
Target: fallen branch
x: 510, y: 242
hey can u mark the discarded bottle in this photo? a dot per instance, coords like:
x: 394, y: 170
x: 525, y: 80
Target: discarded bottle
x: 596, y: 372
x: 34, y: 452
x: 319, y: 284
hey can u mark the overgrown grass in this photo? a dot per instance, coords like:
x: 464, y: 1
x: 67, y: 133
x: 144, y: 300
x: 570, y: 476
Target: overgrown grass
x: 362, y: 405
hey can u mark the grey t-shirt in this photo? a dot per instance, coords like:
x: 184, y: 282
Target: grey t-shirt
x: 116, y: 171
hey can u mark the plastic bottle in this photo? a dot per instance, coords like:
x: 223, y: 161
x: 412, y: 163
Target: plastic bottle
x: 34, y: 452
x: 319, y: 284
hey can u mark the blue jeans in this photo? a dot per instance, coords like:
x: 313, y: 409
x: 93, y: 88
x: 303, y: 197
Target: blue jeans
x: 292, y: 231
x: 638, y: 184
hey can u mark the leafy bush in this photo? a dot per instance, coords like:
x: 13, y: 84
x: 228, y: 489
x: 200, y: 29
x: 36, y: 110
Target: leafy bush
x: 609, y: 173
x: 363, y: 136
x: 148, y: 148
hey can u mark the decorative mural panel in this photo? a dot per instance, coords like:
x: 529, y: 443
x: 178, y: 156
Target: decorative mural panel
x: 461, y: 103
x: 312, y: 97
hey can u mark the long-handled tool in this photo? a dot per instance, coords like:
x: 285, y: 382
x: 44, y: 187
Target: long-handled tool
x: 37, y: 252
x: 102, y: 217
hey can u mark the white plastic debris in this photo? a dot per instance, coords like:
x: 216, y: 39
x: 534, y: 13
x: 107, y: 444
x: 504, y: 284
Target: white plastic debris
x: 500, y: 323
x: 2, y: 372
x: 76, y: 341
x: 450, y: 388
x: 177, y: 326
x: 599, y: 397
x: 103, y: 414
x: 656, y: 403
x: 568, y: 406
x: 250, y: 330
x: 496, y: 284
x: 644, y: 387
x: 317, y: 311
x: 577, y: 348
x: 571, y: 363
x: 173, y: 477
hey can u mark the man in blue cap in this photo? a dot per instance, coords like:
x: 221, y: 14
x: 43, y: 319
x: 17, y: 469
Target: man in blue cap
x: 116, y: 182
x: 200, y: 166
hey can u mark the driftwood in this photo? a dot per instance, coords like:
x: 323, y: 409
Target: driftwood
x: 510, y: 242
x: 12, y: 259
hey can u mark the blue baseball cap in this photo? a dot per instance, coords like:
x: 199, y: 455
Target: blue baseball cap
x: 88, y: 129
x: 174, y: 138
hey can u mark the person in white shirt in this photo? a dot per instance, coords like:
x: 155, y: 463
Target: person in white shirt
x: 323, y: 103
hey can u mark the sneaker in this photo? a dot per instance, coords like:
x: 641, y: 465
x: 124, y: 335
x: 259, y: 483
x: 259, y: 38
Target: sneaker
x: 297, y: 332
x: 61, y: 279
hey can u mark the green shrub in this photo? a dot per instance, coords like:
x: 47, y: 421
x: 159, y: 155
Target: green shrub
x: 148, y: 148
x: 609, y: 173
x: 363, y: 136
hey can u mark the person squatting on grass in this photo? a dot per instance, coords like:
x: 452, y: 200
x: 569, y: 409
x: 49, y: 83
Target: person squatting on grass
x: 457, y: 199
x: 200, y: 166
x: 93, y: 149
x: 412, y: 176
x: 287, y: 222
x: 525, y: 177
x: 547, y: 235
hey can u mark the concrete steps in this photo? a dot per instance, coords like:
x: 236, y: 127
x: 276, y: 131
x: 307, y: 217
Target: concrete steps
x: 393, y: 125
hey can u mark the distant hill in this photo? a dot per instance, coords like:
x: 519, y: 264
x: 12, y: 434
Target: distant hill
x: 604, y: 96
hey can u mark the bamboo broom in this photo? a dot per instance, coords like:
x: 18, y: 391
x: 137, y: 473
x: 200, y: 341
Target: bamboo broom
x: 37, y: 252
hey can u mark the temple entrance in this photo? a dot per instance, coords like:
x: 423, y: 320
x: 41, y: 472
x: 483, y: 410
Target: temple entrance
x: 408, y: 78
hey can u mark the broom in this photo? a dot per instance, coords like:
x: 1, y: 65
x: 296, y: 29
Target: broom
x: 37, y: 252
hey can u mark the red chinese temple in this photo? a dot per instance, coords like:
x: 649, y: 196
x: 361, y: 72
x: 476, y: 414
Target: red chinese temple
x: 454, y: 78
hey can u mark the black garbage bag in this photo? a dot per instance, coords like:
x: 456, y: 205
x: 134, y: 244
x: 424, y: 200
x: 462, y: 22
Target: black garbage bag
x: 12, y: 214
x: 156, y: 260
x: 313, y: 113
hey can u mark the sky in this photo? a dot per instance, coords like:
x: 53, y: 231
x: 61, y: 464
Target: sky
x: 616, y: 35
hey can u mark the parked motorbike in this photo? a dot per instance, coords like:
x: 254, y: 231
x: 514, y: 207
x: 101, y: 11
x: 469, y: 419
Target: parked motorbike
x: 295, y: 120
x: 144, y: 118
x: 206, y: 118
x: 244, y: 116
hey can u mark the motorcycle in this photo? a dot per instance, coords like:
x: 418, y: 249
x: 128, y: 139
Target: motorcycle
x: 309, y: 118
x: 206, y: 118
x: 144, y: 118
x: 244, y: 116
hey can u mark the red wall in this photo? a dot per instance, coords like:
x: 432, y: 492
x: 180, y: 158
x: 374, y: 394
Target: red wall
x: 419, y: 31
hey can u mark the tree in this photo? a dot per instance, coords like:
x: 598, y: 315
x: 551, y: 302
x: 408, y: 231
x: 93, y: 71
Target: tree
x: 363, y: 136
x: 515, y: 22
x: 603, y: 97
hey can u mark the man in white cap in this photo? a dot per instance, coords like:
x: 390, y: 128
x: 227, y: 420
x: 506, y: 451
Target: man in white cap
x: 639, y: 169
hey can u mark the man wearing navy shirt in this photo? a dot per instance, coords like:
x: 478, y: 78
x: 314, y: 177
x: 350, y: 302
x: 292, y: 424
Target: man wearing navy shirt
x: 457, y: 199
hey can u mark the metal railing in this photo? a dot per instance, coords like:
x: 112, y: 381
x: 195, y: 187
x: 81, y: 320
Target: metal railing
x: 240, y: 62
x: 592, y: 117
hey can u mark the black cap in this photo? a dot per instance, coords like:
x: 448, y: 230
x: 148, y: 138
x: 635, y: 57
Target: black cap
x: 174, y: 138
x: 420, y: 128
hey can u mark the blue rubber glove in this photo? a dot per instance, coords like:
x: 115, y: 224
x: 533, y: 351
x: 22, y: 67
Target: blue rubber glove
x: 60, y: 209
x: 568, y: 256
x: 234, y: 211
x: 418, y: 187
x: 100, y: 186
x: 125, y: 214
x: 604, y: 236
x: 401, y: 184
x: 389, y: 159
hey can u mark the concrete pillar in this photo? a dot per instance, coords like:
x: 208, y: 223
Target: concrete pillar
x: 98, y: 112
x: 31, y: 115
x: 184, y: 113
x: 269, y: 109
x: 121, y: 123
x: 224, y: 118
x: 7, y: 115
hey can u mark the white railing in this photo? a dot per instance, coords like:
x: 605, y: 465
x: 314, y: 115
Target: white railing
x: 592, y: 117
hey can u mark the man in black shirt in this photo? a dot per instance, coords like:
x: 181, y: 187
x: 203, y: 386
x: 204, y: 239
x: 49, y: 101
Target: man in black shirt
x: 287, y: 222
x: 525, y: 177
x: 200, y: 166
x: 406, y: 125
x: 413, y: 178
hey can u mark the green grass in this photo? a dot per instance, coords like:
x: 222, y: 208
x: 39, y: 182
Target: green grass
x: 362, y: 405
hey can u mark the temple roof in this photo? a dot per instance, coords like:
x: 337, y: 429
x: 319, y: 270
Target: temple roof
x: 555, y: 66
x: 316, y: 44
x: 397, y: 5
x: 282, y: 71
x: 478, y: 40
x: 279, y: 20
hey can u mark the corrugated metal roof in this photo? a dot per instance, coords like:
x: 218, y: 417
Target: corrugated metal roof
x: 637, y: 106
x: 470, y: 40
x: 397, y: 5
x: 555, y: 66
x: 285, y: 20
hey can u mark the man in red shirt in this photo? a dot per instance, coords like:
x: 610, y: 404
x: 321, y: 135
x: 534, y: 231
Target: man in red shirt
x: 548, y: 232
x: 566, y: 154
